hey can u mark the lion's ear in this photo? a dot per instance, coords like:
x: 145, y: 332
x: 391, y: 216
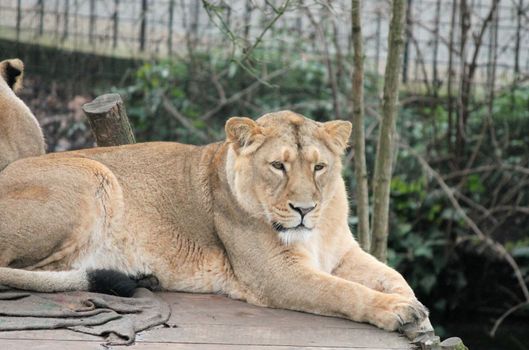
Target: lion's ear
x: 243, y: 133
x: 12, y: 71
x: 338, y: 133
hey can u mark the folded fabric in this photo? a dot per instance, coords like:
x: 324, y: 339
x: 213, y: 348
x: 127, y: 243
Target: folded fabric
x: 115, y: 318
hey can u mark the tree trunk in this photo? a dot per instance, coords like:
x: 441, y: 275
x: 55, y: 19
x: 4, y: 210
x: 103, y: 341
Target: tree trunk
x: 385, y: 146
x: 109, y: 121
x: 362, y: 201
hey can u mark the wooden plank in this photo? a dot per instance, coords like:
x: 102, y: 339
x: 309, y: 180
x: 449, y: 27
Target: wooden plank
x: 311, y: 334
x: 23, y: 344
x: 216, y: 322
x: 216, y: 319
x: 63, y: 334
x: 167, y: 346
x: 190, y: 308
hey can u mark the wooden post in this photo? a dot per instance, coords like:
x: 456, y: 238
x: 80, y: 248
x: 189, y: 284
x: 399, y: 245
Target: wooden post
x: 519, y: 13
x: 115, y: 18
x: 143, y: 24
x: 66, y: 16
x: 57, y: 20
x: 409, y: 34
x: 108, y: 120
x: 92, y: 22
x: 19, y: 18
x: 170, y: 28
x: 449, y: 84
x: 40, y: 4
x: 435, y: 84
x: 248, y: 18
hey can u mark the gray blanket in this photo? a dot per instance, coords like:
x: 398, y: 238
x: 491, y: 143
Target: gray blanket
x: 115, y: 318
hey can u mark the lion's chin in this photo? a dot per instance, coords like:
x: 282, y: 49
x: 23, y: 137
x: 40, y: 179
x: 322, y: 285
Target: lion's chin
x: 298, y: 234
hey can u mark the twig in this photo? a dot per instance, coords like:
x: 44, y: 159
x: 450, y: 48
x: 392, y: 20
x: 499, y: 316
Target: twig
x: 421, y: 63
x: 241, y: 93
x: 524, y: 210
x: 218, y: 87
x: 486, y: 168
x: 486, y: 212
x: 171, y: 109
x: 328, y: 62
x: 210, y: 8
x: 505, y: 315
x: 279, y: 12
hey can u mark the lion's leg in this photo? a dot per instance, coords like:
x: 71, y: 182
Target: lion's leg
x: 303, y: 288
x: 361, y: 267
x: 60, y: 255
x: 56, y: 212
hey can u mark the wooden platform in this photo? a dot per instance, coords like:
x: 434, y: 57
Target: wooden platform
x: 211, y: 322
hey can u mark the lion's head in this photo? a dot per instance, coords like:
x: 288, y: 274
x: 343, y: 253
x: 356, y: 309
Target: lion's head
x: 11, y: 72
x: 20, y: 133
x: 284, y: 168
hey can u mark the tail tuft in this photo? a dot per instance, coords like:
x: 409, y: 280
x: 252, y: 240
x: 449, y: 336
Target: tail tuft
x: 111, y: 282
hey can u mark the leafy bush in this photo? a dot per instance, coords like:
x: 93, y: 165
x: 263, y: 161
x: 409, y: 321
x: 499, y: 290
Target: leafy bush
x: 197, y: 90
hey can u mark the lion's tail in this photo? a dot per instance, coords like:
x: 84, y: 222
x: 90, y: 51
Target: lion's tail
x: 100, y: 281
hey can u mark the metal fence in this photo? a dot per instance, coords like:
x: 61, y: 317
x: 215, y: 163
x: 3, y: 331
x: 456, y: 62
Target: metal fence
x: 444, y: 36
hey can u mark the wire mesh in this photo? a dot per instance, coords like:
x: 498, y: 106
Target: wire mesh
x: 167, y: 28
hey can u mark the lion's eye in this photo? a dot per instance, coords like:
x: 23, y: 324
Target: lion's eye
x: 278, y: 165
x: 319, y: 167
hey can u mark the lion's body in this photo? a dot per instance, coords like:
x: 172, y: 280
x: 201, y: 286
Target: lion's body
x: 261, y: 217
x: 141, y: 209
x: 20, y: 134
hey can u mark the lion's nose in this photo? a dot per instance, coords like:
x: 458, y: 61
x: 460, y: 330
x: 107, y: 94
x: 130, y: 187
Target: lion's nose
x: 302, y: 209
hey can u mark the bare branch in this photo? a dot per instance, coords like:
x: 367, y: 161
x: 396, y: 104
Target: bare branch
x: 171, y: 109
x: 504, y: 316
x: 242, y: 93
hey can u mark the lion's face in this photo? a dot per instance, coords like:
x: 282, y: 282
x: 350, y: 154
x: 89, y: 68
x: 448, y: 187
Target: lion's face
x: 284, y: 168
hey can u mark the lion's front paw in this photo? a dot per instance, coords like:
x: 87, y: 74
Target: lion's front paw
x: 392, y: 311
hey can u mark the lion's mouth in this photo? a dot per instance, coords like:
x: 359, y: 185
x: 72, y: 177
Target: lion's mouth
x: 280, y: 228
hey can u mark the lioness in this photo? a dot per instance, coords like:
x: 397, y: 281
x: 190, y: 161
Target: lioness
x: 20, y: 134
x: 260, y: 217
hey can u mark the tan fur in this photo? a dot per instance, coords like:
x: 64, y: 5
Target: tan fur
x: 20, y: 134
x: 202, y: 220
